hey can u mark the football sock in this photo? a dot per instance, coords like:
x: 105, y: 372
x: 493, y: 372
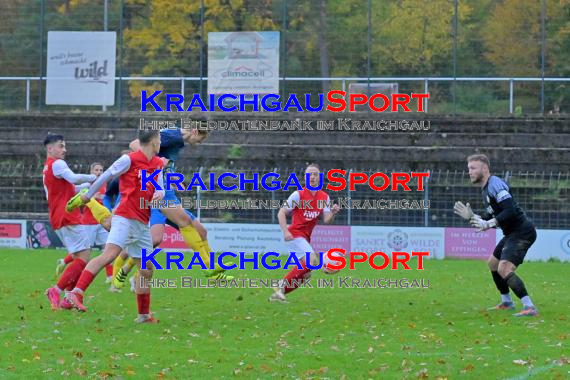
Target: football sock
x: 516, y: 284
x: 501, y: 284
x: 109, y: 270
x: 194, y: 241
x: 506, y: 298
x: 131, y: 263
x: 295, y: 274
x: 69, y: 277
x: 84, y: 281
x: 67, y: 259
x: 117, y: 265
x: 526, y: 301
x: 143, y: 303
x: 100, y: 212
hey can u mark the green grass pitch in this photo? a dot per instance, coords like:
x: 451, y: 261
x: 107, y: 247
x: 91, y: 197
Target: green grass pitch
x: 440, y: 332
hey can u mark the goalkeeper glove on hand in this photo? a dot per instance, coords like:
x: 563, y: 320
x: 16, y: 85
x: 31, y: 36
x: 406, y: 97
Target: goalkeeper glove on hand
x: 463, y: 211
x: 482, y: 225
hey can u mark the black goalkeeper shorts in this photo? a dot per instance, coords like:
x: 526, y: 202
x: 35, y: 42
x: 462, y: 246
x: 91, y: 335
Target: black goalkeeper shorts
x: 514, y: 246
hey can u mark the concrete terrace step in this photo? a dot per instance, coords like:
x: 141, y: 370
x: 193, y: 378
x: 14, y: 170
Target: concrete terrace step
x: 449, y: 139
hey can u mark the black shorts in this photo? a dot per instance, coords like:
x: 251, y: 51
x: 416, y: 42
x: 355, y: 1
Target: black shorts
x: 514, y: 246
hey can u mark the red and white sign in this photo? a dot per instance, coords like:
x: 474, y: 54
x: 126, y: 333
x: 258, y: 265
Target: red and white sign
x: 12, y: 233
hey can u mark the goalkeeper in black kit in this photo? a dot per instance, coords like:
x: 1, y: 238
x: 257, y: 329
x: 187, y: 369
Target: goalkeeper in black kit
x: 519, y: 233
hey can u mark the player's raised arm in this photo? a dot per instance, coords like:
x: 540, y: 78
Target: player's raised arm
x: 118, y: 167
x: 61, y: 170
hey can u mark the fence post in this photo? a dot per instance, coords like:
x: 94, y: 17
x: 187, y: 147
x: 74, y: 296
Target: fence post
x: 349, y: 211
x: 511, y: 91
x: 507, y: 176
x: 198, y: 194
x: 182, y: 91
x: 426, y: 200
x: 426, y: 101
x: 273, y: 201
x: 28, y: 95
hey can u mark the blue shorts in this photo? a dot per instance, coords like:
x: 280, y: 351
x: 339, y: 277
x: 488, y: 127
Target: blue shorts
x: 157, y: 217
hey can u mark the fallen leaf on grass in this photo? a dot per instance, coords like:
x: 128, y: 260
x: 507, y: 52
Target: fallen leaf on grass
x: 423, y: 374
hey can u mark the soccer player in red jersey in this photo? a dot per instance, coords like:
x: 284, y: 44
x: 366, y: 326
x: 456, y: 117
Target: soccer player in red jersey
x: 60, y: 186
x: 298, y: 235
x: 130, y: 223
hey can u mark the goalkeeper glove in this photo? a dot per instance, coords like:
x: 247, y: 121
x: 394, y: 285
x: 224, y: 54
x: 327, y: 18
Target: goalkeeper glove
x: 463, y: 211
x: 482, y: 225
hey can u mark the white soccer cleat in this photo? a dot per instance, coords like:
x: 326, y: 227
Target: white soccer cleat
x: 278, y: 296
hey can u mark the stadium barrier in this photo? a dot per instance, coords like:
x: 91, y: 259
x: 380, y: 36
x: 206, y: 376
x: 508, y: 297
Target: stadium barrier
x: 440, y: 242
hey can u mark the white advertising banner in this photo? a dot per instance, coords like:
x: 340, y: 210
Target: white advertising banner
x: 403, y: 239
x: 459, y: 243
x: 549, y: 244
x: 243, y: 63
x: 12, y: 233
x: 81, y: 68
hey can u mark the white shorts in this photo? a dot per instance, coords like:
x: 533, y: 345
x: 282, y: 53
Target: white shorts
x: 96, y: 234
x: 74, y: 238
x: 131, y: 235
x: 300, y: 246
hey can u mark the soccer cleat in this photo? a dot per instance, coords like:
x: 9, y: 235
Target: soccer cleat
x: 527, y: 311
x: 65, y: 304
x: 76, y: 300
x: 108, y: 280
x: 278, y: 296
x: 113, y: 289
x: 53, y: 297
x: 146, y: 318
x: 218, y: 276
x: 59, y: 267
x: 119, y: 280
x: 503, y: 306
x: 75, y: 201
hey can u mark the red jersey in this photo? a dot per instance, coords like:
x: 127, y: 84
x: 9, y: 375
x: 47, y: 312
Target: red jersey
x: 87, y: 217
x: 58, y: 192
x: 304, y: 220
x: 130, y: 185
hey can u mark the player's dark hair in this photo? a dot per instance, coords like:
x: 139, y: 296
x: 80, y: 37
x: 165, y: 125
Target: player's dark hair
x: 146, y: 135
x: 481, y: 158
x: 51, y: 138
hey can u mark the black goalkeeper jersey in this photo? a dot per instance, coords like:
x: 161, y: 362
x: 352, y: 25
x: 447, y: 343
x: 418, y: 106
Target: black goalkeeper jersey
x: 499, y: 204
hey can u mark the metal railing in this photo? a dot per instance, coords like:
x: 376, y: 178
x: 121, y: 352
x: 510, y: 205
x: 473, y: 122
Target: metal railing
x: 544, y: 196
x: 424, y: 83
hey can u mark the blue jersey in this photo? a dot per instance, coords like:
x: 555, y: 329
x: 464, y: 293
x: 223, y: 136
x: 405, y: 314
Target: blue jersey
x: 171, y: 143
